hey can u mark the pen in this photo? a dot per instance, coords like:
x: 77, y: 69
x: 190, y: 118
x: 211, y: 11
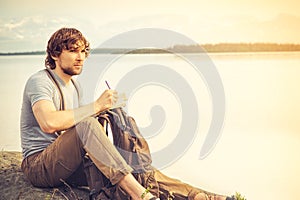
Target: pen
x: 107, y: 84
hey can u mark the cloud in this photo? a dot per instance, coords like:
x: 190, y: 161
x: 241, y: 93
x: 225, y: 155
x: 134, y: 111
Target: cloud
x: 28, y: 33
x: 32, y: 33
x: 12, y: 25
x: 283, y: 28
x: 112, y: 28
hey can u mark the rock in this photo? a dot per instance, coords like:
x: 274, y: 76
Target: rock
x: 14, y: 185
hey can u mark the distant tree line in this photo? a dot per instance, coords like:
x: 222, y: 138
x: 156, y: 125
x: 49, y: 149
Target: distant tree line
x: 24, y: 53
x: 237, y: 47
x: 220, y: 47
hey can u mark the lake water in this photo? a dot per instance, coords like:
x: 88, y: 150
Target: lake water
x: 258, y: 152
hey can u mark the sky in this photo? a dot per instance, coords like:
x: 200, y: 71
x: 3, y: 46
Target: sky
x: 27, y: 25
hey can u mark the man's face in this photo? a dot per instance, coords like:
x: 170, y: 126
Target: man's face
x: 71, y: 61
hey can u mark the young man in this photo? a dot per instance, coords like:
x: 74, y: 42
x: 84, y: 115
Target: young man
x: 55, y: 140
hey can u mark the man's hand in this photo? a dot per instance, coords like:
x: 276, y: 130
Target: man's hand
x: 106, y: 101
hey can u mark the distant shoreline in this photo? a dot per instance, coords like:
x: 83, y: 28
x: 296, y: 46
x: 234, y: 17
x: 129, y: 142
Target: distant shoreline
x: 209, y: 48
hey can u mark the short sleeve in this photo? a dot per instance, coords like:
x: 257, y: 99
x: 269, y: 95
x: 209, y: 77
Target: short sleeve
x: 38, y: 88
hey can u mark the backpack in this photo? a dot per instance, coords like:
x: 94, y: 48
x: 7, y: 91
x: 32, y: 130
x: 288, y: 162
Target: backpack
x: 134, y: 149
x: 127, y: 139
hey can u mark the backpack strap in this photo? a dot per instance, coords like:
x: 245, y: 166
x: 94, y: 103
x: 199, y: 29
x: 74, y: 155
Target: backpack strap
x: 62, y: 101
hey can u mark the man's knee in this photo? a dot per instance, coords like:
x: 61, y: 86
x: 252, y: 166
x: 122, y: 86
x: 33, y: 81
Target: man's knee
x: 89, y: 127
x: 89, y: 122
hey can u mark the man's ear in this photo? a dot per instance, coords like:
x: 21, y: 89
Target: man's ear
x: 54, y: 58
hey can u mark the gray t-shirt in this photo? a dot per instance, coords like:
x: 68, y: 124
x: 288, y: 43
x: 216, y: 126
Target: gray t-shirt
x: 40, y: 87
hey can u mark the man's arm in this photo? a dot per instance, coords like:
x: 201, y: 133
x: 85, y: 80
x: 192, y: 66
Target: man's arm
x: 50, y: 120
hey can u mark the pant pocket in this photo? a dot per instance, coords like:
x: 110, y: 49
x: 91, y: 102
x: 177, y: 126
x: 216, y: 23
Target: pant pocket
x: 36, y: 177
x: 61, y: 172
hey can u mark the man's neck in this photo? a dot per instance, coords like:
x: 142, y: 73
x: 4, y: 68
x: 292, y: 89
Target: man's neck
x: 65, y: 77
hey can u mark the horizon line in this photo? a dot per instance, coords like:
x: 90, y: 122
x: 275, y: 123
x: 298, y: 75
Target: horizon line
x: 207, y: 45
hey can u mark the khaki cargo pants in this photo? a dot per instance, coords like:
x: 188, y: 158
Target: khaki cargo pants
x: 63, y: 159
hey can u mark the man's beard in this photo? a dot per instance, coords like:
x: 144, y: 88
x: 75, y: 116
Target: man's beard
x: 71, y: 72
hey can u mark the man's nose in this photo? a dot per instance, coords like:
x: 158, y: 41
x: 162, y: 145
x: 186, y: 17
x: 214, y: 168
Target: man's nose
x: 81, y: 56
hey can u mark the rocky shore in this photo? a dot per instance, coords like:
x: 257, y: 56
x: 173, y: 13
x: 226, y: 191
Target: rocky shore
x: 14, y: 185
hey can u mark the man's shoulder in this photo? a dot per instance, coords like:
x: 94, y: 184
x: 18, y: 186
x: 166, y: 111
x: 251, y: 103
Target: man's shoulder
x: 40, y: 76
x: 37, y: 80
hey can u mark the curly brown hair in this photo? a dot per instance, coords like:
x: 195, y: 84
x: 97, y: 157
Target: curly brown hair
x: 64, y: 39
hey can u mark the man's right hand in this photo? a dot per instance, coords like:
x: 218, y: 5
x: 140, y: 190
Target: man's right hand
x: 106, y: 101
